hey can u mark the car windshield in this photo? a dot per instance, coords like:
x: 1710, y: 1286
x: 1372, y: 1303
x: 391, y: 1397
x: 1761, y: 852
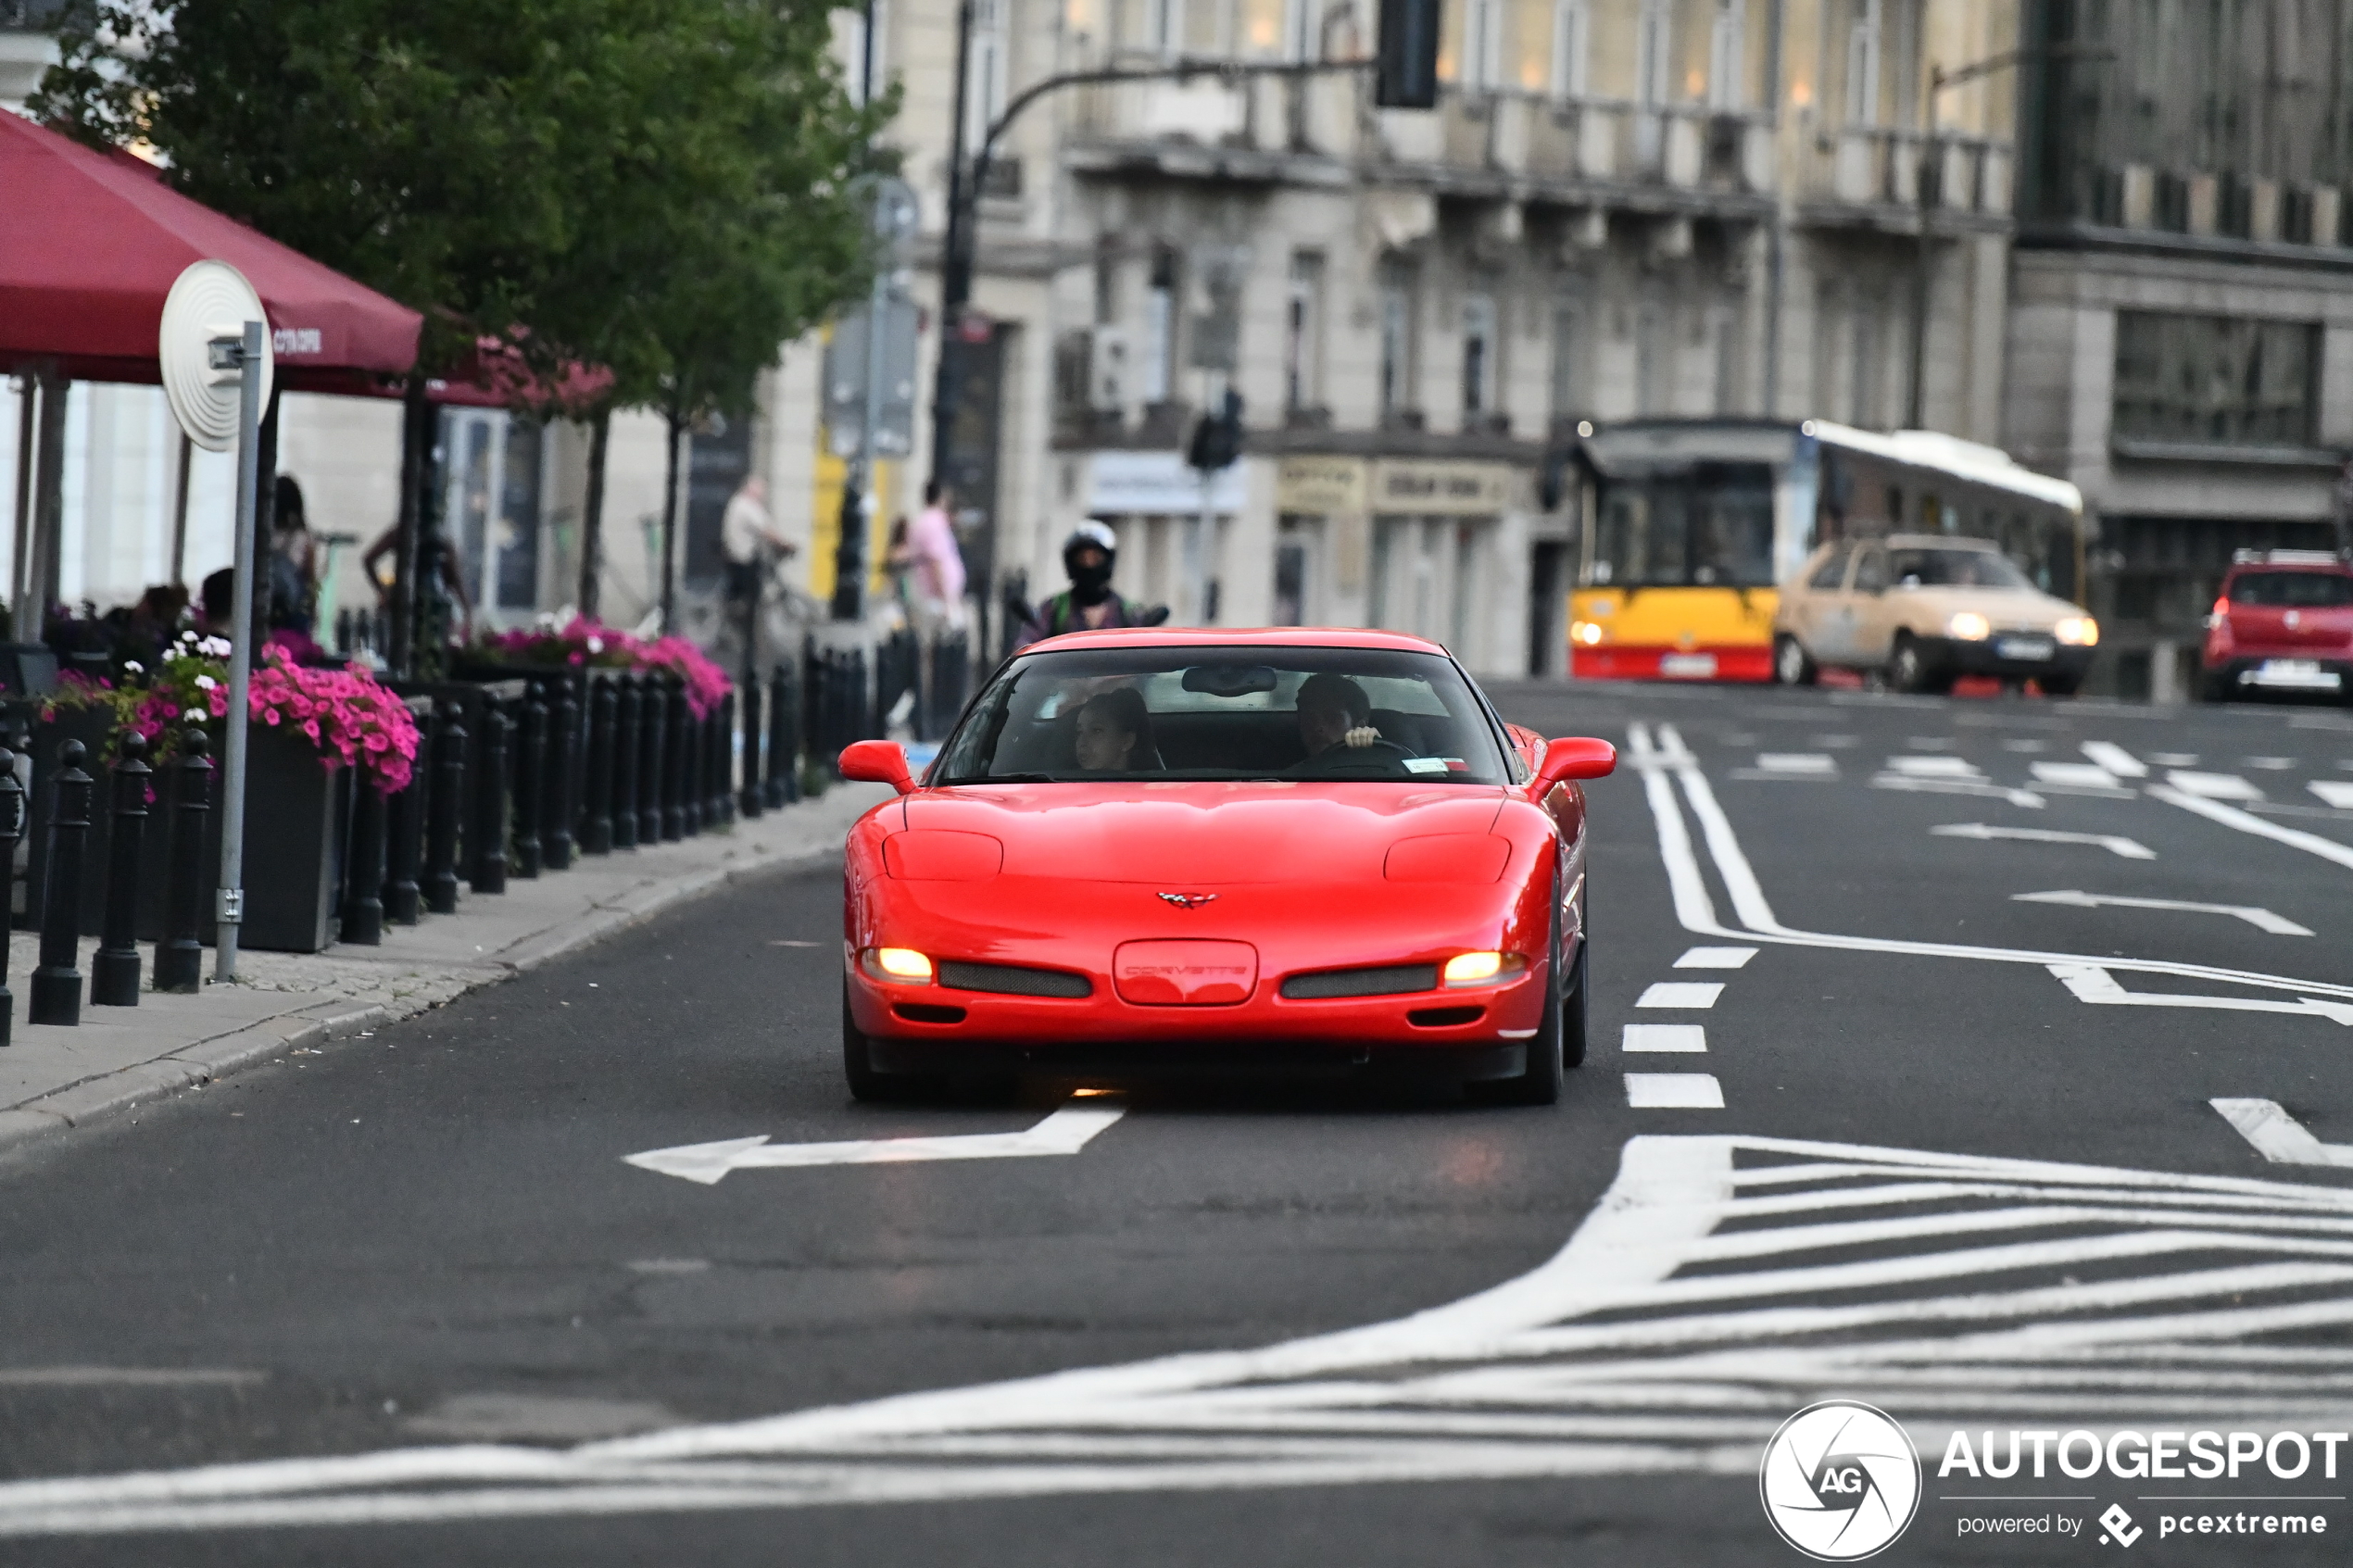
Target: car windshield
x: 1226, y: 713
x: 1953, y: 569
x: 2294, y: 590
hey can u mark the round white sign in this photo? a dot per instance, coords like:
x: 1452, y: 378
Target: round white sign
x: 1841, y: 1481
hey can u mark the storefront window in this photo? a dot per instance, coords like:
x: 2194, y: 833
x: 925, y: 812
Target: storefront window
x: 2214, y: 381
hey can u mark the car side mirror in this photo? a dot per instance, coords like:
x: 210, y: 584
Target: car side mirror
x: 877, y: 761
x: 1573, y: 756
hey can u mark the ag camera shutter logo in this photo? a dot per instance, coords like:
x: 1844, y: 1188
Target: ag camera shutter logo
x: 1840, y: 1480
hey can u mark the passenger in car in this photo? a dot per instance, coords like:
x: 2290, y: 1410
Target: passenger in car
x: 1116, y: 734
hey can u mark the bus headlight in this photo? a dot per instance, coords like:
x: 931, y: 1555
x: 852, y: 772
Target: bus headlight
x: 1969, y: 626
x: 2078, y: 631
x: 1585, y: 632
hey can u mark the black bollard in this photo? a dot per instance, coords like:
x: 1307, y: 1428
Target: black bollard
x: 531, y: 782
x: 672, y: 793
x: 486, y: 845
x: 180, y: 955
x: 114, y: 968
x: 405, y: 839
x: 12, y: 819
x: 698, y: 758
x: 595, y: 822
x: 783, y: 737
x: 653, y: 749
x: 57, y: 984
x: 561, y: 798
x: 363, y: 879
x: 752, y: 799
x: 721, y: 781
x: 445, y: 807
x: 629, y: 706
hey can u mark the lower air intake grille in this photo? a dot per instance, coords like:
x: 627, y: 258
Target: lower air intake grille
x: 1396, y: 981
x: 1006, y: 980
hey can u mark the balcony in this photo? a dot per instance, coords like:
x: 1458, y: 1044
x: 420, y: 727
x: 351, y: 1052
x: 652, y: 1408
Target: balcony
x: 1875, y: 171
x: 1533, y: 140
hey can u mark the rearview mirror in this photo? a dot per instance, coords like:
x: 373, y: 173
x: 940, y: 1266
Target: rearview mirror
x: 1230, y: 680
x: 877, y: 761
x: 1573, y: 756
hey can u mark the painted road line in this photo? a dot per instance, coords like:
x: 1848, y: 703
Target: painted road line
x: 2025, y: 798
x: 1661, y: 761
x: 2246, y: 822
x: 2092, y: 983
x: 2174, y: 758
x: 2278, y: 925
x: 2076, y: 775
x: 1689, y: 1039
x: 1682, y: 994
x: 1674, y: 1091
x: 1934, y: 767
x: 2269, y: 764
x: 1067, y: 1131
x: 2333, y: 792
x: 2278, y: 1136
x: 2116, y: 759
x: 2212, y: 786
x: 1814, y: 764
x: 2129, y: 850
x: 1715, y: 957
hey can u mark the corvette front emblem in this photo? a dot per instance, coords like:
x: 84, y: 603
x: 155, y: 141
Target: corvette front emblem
x: 1189, y: 900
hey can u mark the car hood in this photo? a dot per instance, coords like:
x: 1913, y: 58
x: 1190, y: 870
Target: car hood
x: 2010, y: 610
x: 1204, y: 833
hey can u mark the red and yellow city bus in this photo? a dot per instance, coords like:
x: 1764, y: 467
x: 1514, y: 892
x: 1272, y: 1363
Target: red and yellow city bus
x: 1692, y: 523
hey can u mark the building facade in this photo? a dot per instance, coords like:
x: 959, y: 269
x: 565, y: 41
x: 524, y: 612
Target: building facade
x: 2181, y: 314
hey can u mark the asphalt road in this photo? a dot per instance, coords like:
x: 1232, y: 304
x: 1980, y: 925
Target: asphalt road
x: 403, y: 1301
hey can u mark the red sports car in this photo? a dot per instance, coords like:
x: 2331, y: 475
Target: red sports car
x: 1259, y: 851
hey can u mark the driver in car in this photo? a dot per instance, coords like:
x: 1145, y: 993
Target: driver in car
x: 1335, y: 718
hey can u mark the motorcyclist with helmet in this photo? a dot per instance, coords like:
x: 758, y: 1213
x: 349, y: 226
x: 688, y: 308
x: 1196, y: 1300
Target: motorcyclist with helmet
x: 1090, y: 604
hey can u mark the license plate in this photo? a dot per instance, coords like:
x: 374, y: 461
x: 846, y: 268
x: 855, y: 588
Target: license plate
x: 1687, y: 666
x: 2302, y: 675
x: 2024, y: 647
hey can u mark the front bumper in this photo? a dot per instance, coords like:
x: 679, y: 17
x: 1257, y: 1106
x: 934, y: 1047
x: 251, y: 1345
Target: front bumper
x: 1956, y: 655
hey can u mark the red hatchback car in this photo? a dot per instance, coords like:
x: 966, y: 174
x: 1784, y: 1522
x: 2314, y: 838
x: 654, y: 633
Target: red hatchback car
x: 2284, y: 623
x: 1283, y: 850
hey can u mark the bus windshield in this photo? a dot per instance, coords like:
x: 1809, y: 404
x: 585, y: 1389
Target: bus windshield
x: 1710, y: 526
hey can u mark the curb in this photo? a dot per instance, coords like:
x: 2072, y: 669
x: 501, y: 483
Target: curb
x: 54, y: 1116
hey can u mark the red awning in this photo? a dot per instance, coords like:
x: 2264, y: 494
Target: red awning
x: 90, y: 245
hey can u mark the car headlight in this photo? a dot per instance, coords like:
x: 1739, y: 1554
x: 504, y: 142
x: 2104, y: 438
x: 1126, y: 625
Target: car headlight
x: 903, y: 965
x: 1481, y: 968
x: 1969, y: 626
x: 2078, y: 631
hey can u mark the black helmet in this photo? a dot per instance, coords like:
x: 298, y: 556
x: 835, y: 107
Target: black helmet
x: 1092, y: 585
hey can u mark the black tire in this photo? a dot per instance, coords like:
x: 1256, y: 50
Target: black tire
x: 2214, y: 685
x: 1573, y: 1012
x: 2059, y: 685
x: 1910, y: 671
x: 1539, y: 1084
x: 1793, y: 666
x: 868, y: 1082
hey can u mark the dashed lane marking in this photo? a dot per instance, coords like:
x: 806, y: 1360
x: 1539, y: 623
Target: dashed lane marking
x: 1674, y: 1091
x: 2212, y: 786
x: 1690, y: 1039
x: 2278, y: 925
x: 2278, y: 1136
x: 2116, y: 759
x: 2077, y: 775
x: 2333, y: 792
x: 1809, y: 764
x: 1715, y: 957
x: 1682, y: 994
x: 1935, y: 767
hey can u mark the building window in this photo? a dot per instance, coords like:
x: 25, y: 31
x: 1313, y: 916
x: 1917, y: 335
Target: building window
x: 1483, y: 45
x: 1571, y: 48
x: 1570, y: 395
x: 985, y: 93
x: 1863, y: 63
x: 1301, y: 41
x: 1396, y: 335
x: 2215, y: 381
x: 1165, y: 26
x: 1654, y: 53
x: 1302, y: 333
x: 1158, y: 366
x: 1480, y: 344
x: 1728, y: 57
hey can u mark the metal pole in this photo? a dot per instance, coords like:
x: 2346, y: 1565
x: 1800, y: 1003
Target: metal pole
x: 877, y: 305
x: 1915, y: 415
x: 1777, y: 236
x: 955, y: 272
x: 230, y: 908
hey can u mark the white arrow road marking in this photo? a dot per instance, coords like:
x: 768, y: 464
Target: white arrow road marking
x: 1720, y: 1284
x: 1067, y: 1131
x: 2116, y: 759
x: 2278, y: 1136
x: 2092, y: 983
x: 2128, y: 848
x: 2333, y: 792
x: 1935, y: 785
x: 2279, y: 926
x: 2246, y: 821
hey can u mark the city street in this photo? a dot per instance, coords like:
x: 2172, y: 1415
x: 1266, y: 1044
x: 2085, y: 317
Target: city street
x: 1967, y: 976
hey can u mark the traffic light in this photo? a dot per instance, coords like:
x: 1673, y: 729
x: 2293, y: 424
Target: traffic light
x: 1217, y: 439
x: 1406, y: 71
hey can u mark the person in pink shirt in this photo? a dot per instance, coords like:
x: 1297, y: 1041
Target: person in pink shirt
x: 936, y: 564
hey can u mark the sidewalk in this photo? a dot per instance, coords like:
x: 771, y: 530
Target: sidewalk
x: 54, y: 1079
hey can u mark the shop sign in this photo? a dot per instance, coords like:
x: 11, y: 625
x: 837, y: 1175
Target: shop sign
x: 1159, y: 484
x: 1443, y: 487
x: 1322, y: 486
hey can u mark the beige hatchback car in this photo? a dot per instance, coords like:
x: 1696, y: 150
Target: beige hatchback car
x: 1925, y: 608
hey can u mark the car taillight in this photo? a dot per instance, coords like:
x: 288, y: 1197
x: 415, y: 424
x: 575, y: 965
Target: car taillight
x: 2219, y: 615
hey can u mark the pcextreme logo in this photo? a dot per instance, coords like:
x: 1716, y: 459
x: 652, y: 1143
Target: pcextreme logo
x: 1841, y: 1481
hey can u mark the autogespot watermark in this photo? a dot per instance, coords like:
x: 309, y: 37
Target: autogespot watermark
x: 1841, y: 1481
x: 2235, y: 1459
